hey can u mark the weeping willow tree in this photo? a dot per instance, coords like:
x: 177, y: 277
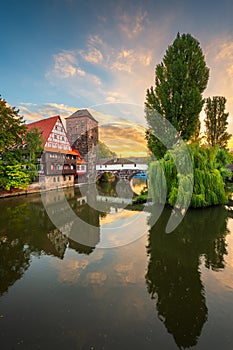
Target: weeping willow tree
x: 208, y: 172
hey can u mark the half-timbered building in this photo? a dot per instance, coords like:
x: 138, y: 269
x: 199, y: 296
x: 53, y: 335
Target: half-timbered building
x: 58, y: 165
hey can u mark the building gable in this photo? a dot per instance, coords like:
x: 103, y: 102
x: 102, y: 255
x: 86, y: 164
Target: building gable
x: 57, y: 139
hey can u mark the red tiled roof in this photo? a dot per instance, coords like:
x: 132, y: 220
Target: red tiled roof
x: 45, y: 126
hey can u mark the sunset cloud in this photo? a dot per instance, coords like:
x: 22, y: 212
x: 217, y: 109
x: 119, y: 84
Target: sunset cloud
x: 118, y: 66
x: 125, y: 140
x: 132, y: 25
x: 118, y: 130
x: 219, y: 54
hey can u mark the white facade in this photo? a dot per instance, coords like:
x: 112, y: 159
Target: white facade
x: 117, y: 167
x: 58, y: 138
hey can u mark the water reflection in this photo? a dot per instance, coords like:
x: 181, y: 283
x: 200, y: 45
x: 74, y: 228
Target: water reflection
x: 100, y: 288
x: 138, y: 185
x: 173, y: 276
x: 26, y: 230
x: 14, y: 261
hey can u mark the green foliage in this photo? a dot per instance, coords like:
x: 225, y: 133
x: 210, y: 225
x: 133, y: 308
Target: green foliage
x: 141, y: 198
x: 155, y: 146
x: 12, y: 127
x: 14, y: 176
x: 180, y: 80
x: 19, y: 149
x: 104, y: 151
x: 216, y: 121
x: 209, y: 186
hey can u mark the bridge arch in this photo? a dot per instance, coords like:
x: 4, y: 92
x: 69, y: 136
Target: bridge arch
x: 100, y: 174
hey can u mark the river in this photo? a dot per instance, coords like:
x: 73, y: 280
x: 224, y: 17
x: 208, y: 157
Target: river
x: 85, y: 269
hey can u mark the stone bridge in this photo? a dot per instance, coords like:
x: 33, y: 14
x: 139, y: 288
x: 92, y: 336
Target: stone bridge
x: 122, y: 168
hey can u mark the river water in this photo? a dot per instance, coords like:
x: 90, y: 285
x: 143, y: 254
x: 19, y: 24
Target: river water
x: 133, y: 287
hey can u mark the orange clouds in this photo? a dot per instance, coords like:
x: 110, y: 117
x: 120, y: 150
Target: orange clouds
x: 124, y: 140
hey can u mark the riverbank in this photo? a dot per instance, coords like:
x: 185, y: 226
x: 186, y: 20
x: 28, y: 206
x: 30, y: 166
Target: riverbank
x: 32, y: 189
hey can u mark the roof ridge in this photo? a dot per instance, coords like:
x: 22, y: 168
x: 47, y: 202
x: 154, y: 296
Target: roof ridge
x: 82, y: 112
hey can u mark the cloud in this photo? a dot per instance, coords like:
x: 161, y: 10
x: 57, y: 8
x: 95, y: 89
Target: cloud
x: 102, y: 66
x: 131, y: 25
x: 96, y: 278
x: 124, y: 139
x: 65, y: 65
x: 112, y: 68
x: 67, y: 73
x: 34, y: 112
x: 129, y: 60
x: 28, y: 114
x: 219, y: 54
x: 92, y: 56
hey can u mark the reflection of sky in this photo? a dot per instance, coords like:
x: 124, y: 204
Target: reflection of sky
x: 117, y: 217
x: 122, y: 227
x: 103, y: 272
x: 138, y: 185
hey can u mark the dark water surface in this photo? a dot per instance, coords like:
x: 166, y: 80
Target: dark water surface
x: 161, y: 291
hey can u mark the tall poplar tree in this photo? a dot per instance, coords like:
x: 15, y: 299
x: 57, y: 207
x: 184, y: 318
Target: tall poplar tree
x: 216, y: 121
x: 180, y: 80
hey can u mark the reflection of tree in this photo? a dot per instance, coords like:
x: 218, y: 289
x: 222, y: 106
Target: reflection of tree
x: 107, y: 188
x: 14, y: 261
x: 27, y: 230
x: 120, y: 189
x: 173, y: 276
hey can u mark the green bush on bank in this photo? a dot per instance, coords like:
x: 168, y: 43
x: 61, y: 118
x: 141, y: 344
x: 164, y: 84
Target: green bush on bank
x: 209, y: 173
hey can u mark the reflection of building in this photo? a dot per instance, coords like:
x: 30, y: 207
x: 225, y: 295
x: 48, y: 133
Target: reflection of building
x: 76, y: 221
x: 59, y: 241
x: 82, y: 131
x: 58, y: 161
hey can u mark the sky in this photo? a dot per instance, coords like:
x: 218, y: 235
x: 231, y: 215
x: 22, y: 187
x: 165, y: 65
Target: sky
x: 58, y: 56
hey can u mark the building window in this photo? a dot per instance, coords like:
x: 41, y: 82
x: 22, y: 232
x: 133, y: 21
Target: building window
x: 58, y: 178
x: 70, y: 178
x: 135, y: 165
x: 55, y: 136
x: 64, y: 178
x: 54, y: 179
x: 52, y: 167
